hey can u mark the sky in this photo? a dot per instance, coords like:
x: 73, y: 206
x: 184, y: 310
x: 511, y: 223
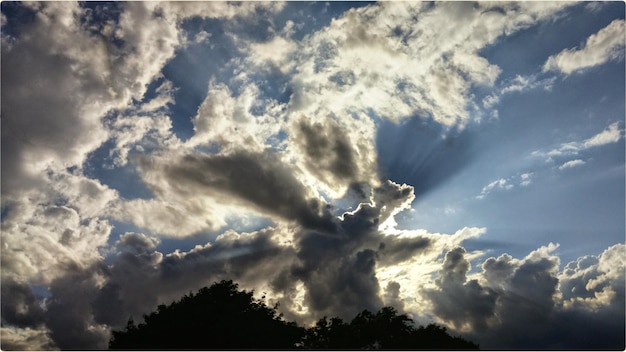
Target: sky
x: 460, y: 161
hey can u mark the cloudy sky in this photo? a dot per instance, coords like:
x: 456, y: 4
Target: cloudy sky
x: 463, y: 162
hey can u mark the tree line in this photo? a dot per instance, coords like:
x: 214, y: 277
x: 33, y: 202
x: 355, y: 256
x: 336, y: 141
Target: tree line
x: 222, y: 317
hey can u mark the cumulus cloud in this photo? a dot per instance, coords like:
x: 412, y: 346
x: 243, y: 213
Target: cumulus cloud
x: 604, y: 46
x: 341, y: 63
x: 228, y: 121
x: 528, y: 303
x: 55, y: 122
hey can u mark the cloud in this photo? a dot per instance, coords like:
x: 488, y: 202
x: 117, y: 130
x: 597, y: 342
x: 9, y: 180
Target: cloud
x: 69, y: 315
x: 526, y: 179
x: 58, y: 237
x: 301, y: 265
x: 25, y: 339
x: 138, y: 242
x: 572, y: 163
x: 373, y: 44
x: 517, y: 84
x: 529, y: 304
x: 55, y: 122
x: 228, y: 121
x: 500, y: 183
x: 612, y: 134
x: 20, y: 306
x: 605, y: 45
x: 89, y: 80
x: 329, y: 154
x: 459, y: 302
x: 257, y: 180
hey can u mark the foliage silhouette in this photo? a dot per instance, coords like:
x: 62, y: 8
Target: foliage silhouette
x: 383, y: 330
x: 222, y: 317
x: 219, y: 317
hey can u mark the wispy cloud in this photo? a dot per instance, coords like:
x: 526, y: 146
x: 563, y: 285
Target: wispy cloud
x: 499, y: 184
x: 518, y: 84
x: 572, y: 163
x: 611, y: 134
x: 506, y: 184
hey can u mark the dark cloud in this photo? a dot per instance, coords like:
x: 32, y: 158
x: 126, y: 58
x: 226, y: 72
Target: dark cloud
x: 515, y: 304
x: 394, y: 249
x: 260, y: 181
x: 328, y: 152
x: 457, y: 301
x: 69, y: 314
x: 338, y: 268
x: 138, y: 281
x: 392, y: 296
x: 20, y: 306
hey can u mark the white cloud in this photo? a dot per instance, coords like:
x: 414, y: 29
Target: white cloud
x: 202, y: 37
x: 42, y: 241
x: 572, y: 163
x: 612, y: 134
x: 375, y: 44
x: 500, y: 183
x: 517, y: 84
x: 506, y: 184
x: 228, y: 121
x: 526, y: 179
x: 277, y: 51
x: 601, y: 47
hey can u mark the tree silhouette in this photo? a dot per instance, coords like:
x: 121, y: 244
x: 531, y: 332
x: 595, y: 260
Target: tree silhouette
x: 222, y: 317
x: 384, y: 330
x: 219, y: 317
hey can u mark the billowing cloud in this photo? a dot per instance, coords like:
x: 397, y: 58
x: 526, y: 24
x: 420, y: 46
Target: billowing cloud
x: 55, y: 122
x: 605, y: 45
x: 527, y: 302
